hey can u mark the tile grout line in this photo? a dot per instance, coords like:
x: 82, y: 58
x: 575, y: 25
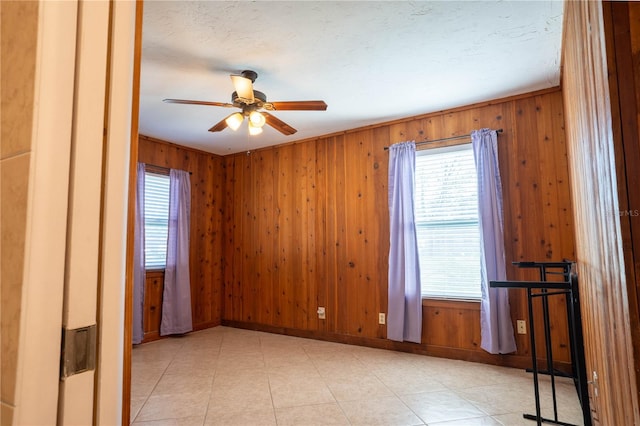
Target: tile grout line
x: 158, y: 381
x: 315, y: 366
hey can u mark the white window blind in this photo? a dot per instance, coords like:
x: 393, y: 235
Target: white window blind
x: 156, y: 219
x: 446, y: 207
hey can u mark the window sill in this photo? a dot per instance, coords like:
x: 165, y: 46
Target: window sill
x: 451, y: 303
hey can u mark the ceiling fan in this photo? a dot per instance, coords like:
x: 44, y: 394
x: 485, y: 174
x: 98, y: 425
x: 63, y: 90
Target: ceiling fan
x: 253, y: 103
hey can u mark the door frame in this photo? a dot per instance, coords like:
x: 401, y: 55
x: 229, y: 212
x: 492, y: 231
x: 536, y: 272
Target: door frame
x: 132, y: 185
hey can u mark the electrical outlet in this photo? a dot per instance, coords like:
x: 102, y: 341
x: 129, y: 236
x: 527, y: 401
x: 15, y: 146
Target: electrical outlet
x: 382, y: 318
x: 321, y: 313
x: 522, y: 326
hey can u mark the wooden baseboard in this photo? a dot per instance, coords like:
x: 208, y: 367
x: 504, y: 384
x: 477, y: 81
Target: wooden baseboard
x: 155, y: 335
x: 150, y: 337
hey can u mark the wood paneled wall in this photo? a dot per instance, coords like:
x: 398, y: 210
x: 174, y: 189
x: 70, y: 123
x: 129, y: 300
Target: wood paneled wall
x: 603, y: 286
x: 152, y: 311
x: 622, y: 29
x: 306, y: 225
x: 207, y: 182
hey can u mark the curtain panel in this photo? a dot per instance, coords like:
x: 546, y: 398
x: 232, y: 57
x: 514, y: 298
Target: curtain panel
x: 495, y: 315
x: 176, y: 299
x: 404, y: 314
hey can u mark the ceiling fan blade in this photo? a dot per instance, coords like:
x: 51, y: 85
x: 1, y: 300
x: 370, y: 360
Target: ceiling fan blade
x: 188, y: 102
x: 278, y: 124
x: 299, y: 105
x: 244, y: 87
x: 221, y: 125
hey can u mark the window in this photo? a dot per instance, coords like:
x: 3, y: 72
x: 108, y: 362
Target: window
x: 446, y: 204
x: 156, y: 219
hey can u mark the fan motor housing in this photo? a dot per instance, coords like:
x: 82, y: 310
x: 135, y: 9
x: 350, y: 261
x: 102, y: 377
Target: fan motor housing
x: 259, y: 99
x: 251, y: 75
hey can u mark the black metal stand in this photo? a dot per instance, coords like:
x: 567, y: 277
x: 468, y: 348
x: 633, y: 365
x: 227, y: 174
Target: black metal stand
x: 569, y: 287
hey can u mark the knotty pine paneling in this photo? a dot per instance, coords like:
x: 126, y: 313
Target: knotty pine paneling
x: 622, y: 30
x: 207, y: 196
x: 152, y: 311
x: 306, y: 225
x: 601, y: 261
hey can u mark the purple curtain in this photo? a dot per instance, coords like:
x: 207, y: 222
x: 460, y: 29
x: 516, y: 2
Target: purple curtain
x: 176, y: 299
x: 138, y: 260
x: 496, y: 328
x: 404, y: 314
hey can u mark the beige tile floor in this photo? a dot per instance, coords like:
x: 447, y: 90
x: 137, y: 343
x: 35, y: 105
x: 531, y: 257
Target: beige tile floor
x: 227, y: 376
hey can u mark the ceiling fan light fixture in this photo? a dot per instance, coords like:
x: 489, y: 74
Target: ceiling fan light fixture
x: 253, y: 129
x: 234, y: 120
x: 244, y: 88
x: 251, y: 102
x: 257, y: 119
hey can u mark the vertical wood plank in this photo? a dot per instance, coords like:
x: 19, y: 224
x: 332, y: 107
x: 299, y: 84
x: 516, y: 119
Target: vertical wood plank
x: 378, y: 238
x: 342, y: 321
x: 593, y: 170
x: 228, y: 236
x: 622, y: 27
x: 321, y: 230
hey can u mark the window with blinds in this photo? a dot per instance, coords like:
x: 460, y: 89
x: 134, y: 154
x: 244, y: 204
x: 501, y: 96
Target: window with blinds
x: 156, y: 219
x: 446, y: 208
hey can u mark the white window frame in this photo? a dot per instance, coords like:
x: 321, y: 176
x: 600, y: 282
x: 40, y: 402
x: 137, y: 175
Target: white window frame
x: 448, y: 271
x: 156, y: 219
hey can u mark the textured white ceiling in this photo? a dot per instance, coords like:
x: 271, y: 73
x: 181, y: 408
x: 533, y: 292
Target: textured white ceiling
x: 369, y: 61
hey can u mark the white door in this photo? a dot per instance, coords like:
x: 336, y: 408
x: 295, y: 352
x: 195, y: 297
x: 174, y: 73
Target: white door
x: 76, y: 226
x: 98, y: 192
